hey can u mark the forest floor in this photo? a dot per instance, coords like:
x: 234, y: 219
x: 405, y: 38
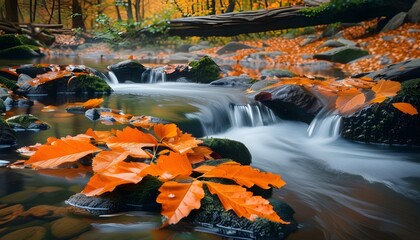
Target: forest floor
x: 384, y: 48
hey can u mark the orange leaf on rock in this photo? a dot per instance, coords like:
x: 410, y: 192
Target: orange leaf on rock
x: 170, y: 166
x: 200, y: 154
x: 384, y: 89
x: 132, y: 140
x: 113, y: 176
x: 61, y: 151
x: 165, y: 130
x: 178, y: 199
x: 49, y: 76
x: 243, y: 203
x: 106, y: 159
x: 349, y: 100
x: 245, y: 175
x: 405, y: 108
x: 93, y: 103
x: 142, y: 121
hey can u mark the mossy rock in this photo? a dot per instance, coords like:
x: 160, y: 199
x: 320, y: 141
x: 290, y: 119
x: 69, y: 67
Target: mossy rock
x: 27, y: 122
x: 7, y: 135
x: 204, y: 70
x: 88, y: 84
x: 9, y: 41
x: 9, y: 84
x: 226, y: 148
x: 342, y: 54
x: 216, y: 219
x: 21, y: 52
x: 2, y: 106
x: 383, y: 123
x: 27, y: 40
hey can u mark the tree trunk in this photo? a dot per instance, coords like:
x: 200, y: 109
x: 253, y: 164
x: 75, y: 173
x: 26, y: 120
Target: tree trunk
x: 118, y: 13
x: 129, y: 11
x: 30, y: 10
x: 230, y: 24
x: 52, y: 12
x: 34, y: 11
x: 77, y: 18
x: 137, y: 10
x: 213, y: 7
x: 11, y: 7
x: 231, y: 6
x: 59, y: 12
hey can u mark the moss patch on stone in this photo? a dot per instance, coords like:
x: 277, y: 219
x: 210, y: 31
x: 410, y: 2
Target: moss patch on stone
x: 204, y: 70
x: 230, y: 149
x: 89, y: 84
x: 21, y: 52
x: 7, y: 83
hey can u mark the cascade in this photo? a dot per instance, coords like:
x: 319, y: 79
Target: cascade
x: 154, y: 75
x: 326, y: 125
x: 112, y: 78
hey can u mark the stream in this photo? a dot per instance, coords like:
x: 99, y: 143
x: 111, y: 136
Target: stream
x: 338, y: 189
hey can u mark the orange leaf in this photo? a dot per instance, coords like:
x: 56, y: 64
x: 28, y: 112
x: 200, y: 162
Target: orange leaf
x: 113, y: 176
x: 200, y: 154
x: 142, y: 121
x: 132, y: 140
x: 405, y: 108
x: 165, y: 130
x: 93, y: 103
x: 385, y: 88
x: 349, y: 100
x: 178, y: 199
x: 245, y: 175
x: 49, y: 76
x: 99, y: 135
x: 61, y: 151
x: 170, y: 166
x: 106, y: 159
x: 243, y: 203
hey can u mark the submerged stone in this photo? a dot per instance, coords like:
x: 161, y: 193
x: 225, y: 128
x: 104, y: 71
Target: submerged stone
x: 67, y: 227
x: 27, y: 122
x: 343, y: 54
x: 32, y: 233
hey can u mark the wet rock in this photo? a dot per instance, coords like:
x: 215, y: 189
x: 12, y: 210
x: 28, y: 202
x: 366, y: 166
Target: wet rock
x: 33, y: 69
x: 383, y: 123
x: 309, y: 39
x: 201, y: 46
x: 341, y: 54
x: 20, y: 103
x: 127, y: 70
x: 30, y: 233
x: 183, y: 48
x: 176, y: 72
x: 66, y: 228
x: 232, y: 47
x: 26, y: 122
x: 334, y: 43
x: 7, y: 135
x: 181, y: 57
x: 413, y: 14
x: 2, y: 106
x: 291, y: 102
x: 85, y: 83
x: 331, y: 30
x: 233, y: 81
x: 10, y: 213
x: 259, y: 59
x: 231, y: 149
x: 93, y: 113
x: 280, y: 73
x: 21, y: 52
x: 259, y: 85
x: 6, y: 83
x: 204, y: 70
x: 395, y: 22
x: 401, y: 71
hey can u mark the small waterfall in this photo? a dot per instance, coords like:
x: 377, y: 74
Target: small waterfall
x: 251, y: 115
x: 112, y: 78
x: 325, y: 126
x: 154, y: 75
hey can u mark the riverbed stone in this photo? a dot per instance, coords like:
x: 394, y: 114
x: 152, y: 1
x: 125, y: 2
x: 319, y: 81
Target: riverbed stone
x: 204, y: 70
x: 413, y: 14
x: 227, y: 148
x: 384, y: 124
x: 33, y: 70
x: 7, y: 135
x: 343, y: 54
x: 30, y: 233
x: 232, y: 47
x: 27, y: 122
x: 401, y: 71
x: 395, y: 22
x: 279, y: 73
x: 291, y: 102
x: 233, y: 81
x: 21, y: 52
x: 128, y: 70
x: 89, y: 84
x: 7, y: 83
x: 68, y: 227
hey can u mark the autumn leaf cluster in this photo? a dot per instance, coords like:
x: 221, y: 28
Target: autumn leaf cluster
x: 119, y: 157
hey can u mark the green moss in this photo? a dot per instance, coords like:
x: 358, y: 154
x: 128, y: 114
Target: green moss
x: 7, y: 135
x: 204, y: 70
x: 9, y: 40
x: 8, y: 83
x: 231, y: 149
x: 21, y: 52
x: 90, y: 84
x: 27, y: 40
x: 27, y: 121
x: 410, y: 88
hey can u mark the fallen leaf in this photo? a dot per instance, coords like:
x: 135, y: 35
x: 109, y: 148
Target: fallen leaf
x: 405, y: 108
x: 349, y: 101
x: 384, y: 89
x: 170, y: 166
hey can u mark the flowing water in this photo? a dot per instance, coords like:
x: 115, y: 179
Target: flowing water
x: 338, y: 189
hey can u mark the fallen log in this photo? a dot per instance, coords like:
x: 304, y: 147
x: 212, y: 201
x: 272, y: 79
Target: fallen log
x: 230, y: 24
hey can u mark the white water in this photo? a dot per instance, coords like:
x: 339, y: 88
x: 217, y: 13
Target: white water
x: 112, y: 78
x: 154, y: 75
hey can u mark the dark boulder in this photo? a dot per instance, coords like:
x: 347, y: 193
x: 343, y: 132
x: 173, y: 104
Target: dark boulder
x: 395, y: 22
x: 291, y: 102
x: 231, y: 149
x: 383, y: 123
x: 7, y: 135
x: 128, y: 70
x: 343, y: 54
x: 26, y: 122
x: 258, y: 60
x: 6, y: 83
x: 413, y: 14
x: 33, y: 69
x: 401, y: 71
x: 232, y: 47
x: 21, y: 52
x: 177, y: 72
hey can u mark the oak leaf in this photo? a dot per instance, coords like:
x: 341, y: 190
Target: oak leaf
x: 170, y: 166
x: 245, y: 175
x: 61, y: 151
x: 405, y: 108
x: 243, y: 203
x: 384, y: 89
x: 178, y: 199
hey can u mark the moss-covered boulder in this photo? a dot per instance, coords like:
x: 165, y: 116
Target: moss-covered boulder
x: 7, y: 135
x: 2, y: 106
x: 88, y: 84
x: 128, y: 70
x: 21, y: 52
x: 231, y: 149
x: 27, y: 122
x: 7, y: 83
x: 204, y: 70
x: 383, y: 123
x: 343, y: 54
x: 32, y: 70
